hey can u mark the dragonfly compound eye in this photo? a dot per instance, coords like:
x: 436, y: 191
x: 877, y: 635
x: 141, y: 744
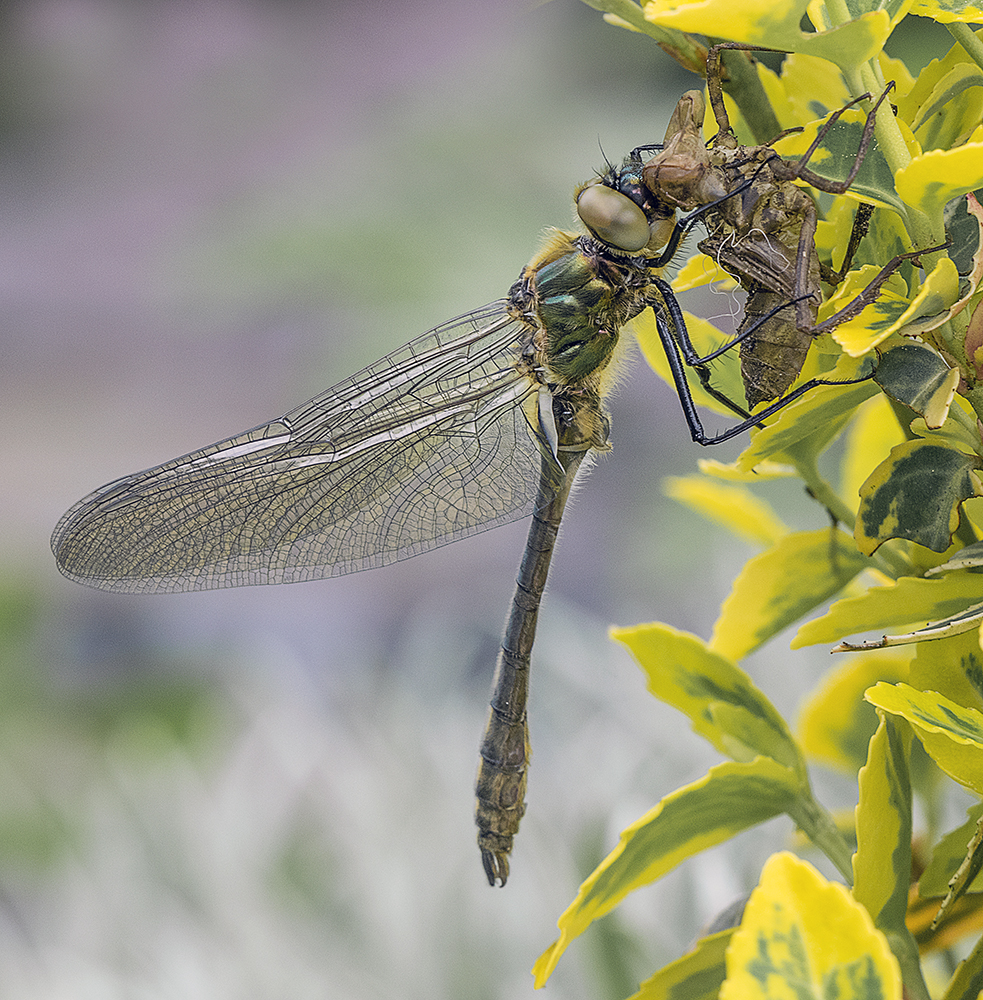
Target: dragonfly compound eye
x: 613, y: 217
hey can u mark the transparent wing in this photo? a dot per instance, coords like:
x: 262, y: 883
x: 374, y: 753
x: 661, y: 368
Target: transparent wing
x: 428, y: 445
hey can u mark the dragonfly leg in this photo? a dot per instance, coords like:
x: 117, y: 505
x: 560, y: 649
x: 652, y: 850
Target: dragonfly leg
x: 856, y: 305
x: 672, y: 333
x: 679, y: 335
x: 801, y: 171
x: 671, y: 326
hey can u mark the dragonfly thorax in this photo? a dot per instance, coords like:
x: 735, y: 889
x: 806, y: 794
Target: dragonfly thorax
x: 576, y: 294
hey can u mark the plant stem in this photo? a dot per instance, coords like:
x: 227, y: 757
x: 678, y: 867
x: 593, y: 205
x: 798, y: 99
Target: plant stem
x: 823, y: 493
x: 906, y: 952
x: 968, y: 40
x: 816, y: 823
x: 893, y: 564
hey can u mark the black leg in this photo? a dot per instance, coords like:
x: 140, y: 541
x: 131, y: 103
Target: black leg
x: 680, y: 353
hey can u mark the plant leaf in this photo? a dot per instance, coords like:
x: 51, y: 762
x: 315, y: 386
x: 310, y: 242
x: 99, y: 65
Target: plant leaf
x: 951, y: 733
x: 966, y: 621
x: 915, y: 375
x: 964, y: 228
x: 731, y: 797
x: 948, y: 854
x: 732, y: 472
x: 702, y: 270
x: 915, y: 494
x: 836, y: 724
x: 938, y: 82
x: 951, y: 112
x: 734, y: 507
x: 775, y: 24
x: 909, y: 599
x: 873, y: 433
x: 811, y: 421
x: 722, y: 703
x: 882, y: 864
x: 953, y: 668
x: 966, y: 871
x: 968, y: 978
x: 777, y: 587
x: 939, y: 175
x: 834, y: 158
x: 895, y: 310
x: 802, y: 936
x: 697, y: 975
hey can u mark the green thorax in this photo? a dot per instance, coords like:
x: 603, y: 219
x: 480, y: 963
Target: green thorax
x: 577, y: 294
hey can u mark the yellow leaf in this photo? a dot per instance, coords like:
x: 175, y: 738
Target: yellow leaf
x: 721, y: 701
x: 833, y: 232
x: 701, y: 270
x: 952, y: 667
x: 807, y: 425
x: 893, y: 311
x: 705, y: 338
x: 871, y: 437
x: 814, y: 87
x: 836, y: 723
x: 909, y: 600
x: 948, y: 854
x: 951, y: 733
x: 854, y: 336
x: 804, y: 936
x: 735, y: 508
x: 896, y: 70
x: 775, y: 23
x: 939, y: 175
x: 696, y: 975
x: 780, y: 585
x: 733, y: 472
x: 729, y: 798
x: 882, y: 864
x: 915, y: 494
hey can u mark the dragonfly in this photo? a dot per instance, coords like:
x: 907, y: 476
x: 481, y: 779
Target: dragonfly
x: 481, y: 421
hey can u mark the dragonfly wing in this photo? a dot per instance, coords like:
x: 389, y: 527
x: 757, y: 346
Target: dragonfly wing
x: 428, y: 445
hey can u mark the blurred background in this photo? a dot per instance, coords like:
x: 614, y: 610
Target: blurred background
x: 210, y: 211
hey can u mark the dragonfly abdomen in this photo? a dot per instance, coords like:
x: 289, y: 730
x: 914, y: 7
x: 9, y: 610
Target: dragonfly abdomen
x: 581, y: 427
x: 500, y: 788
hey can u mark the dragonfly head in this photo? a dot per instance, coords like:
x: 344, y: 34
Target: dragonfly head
x: 619, y: 210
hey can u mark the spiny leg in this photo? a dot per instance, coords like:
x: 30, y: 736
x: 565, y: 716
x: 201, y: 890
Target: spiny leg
x: 869, y: 295
x: 852, y: 309
x: 669, y: 324
x: 680, y: 352
x: 798, y: 169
